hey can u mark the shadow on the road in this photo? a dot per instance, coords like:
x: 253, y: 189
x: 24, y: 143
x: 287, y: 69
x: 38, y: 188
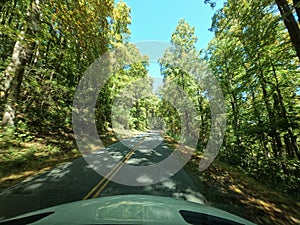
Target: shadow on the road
x: 72, y: 181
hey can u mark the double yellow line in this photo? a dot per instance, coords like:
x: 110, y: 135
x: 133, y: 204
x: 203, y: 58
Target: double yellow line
x: 96, y: 191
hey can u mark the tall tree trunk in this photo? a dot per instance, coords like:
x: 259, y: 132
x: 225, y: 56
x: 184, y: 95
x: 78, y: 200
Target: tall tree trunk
x: 273, y: 133
x: 21, y: 56
x: 290, y: 23
x: 262, y: 137
x: 292, y: 142
x: 12, y: 76
x: 203, y: 128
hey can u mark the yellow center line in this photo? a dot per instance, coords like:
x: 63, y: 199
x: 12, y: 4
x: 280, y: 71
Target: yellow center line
x: 113, y: 172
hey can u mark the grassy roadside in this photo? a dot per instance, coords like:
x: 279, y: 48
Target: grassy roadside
x: 25, y: 156
x: 229, y: 189
x: 21, y: 158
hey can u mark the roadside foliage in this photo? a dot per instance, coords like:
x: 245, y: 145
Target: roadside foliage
x: 255, y: 61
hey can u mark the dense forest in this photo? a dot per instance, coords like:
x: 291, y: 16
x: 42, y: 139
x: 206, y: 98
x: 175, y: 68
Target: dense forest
x: 46, y: 46
x: 255, y: 59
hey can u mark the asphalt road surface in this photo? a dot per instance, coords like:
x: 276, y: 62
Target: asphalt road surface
x: 77, y: 180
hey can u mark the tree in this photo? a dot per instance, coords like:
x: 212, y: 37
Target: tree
x: 290, y: 22
x: 255, y: 64
x: 21, y: 55
x: 286, y: 11
x: 179, y: 68
x: 51, y: 45
x: 119, y: 24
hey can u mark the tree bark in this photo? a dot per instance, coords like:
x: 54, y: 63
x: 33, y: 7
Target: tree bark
x: 292, y: 142
x: 21, y: 56
x: 290, y: 23
x: 13, y: 75
x: 273, y: 133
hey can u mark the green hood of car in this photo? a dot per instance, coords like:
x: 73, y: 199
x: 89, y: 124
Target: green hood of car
x: 129, y: 209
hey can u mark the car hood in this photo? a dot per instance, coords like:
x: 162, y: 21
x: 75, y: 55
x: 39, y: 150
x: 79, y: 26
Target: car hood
x: 129, y: 209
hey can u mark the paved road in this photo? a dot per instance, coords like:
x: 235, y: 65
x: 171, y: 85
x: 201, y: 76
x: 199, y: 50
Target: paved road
x: 73, y: 181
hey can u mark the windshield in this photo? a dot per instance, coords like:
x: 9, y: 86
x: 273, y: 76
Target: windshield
x: 191, y: 100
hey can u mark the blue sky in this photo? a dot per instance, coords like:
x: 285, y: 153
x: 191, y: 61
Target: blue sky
x: 155, y: 20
